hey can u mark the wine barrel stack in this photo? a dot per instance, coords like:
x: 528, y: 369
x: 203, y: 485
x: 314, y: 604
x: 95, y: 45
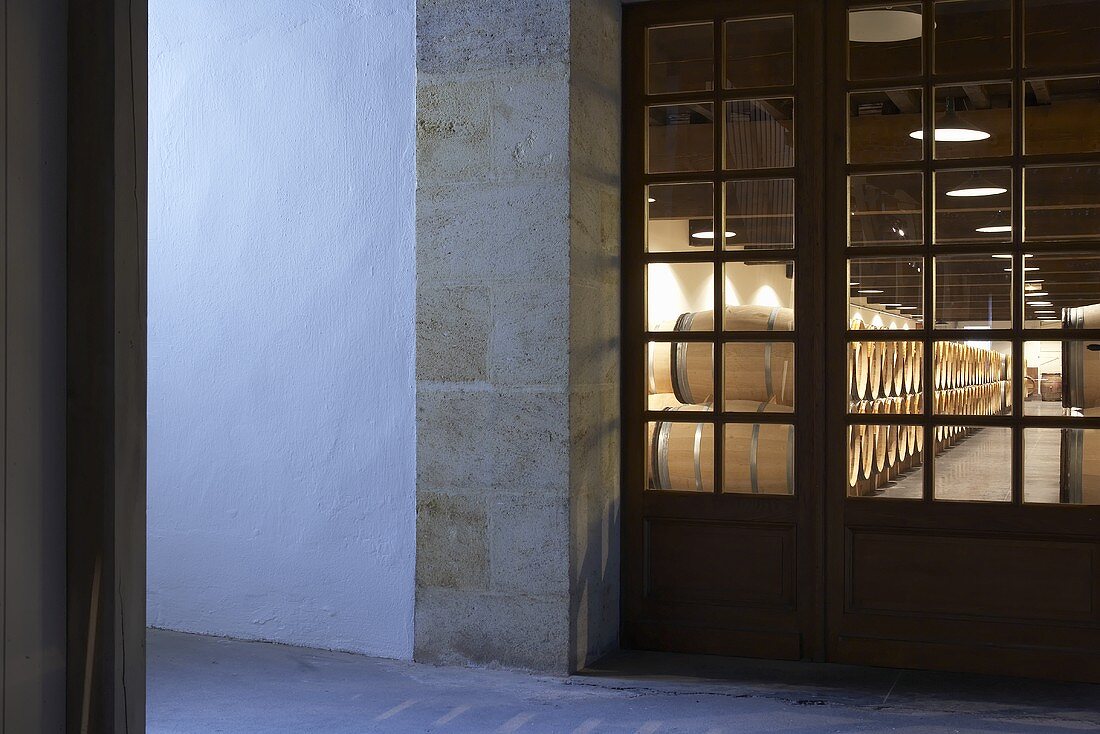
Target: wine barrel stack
x: 758, y: 378
x: 1080, y: 468
x: 884, y: 378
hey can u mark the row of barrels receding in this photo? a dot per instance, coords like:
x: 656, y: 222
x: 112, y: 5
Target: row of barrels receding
x: 883, y: 369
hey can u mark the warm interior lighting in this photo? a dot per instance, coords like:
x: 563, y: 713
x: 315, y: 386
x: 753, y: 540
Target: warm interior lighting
x: 951, y: 128
x: 854, y: 283
x: 1038, y: 294
x: 977, y: 186
x: 869, y: 292
x: 883, y: 26
x: 908, y: 308
x: 994, y: 228
x: 1040, y: 303
x: 651, y: 200
x: 709, y: 235
x: 1003, y: 257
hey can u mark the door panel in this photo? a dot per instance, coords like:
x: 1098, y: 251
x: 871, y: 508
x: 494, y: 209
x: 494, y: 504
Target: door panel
x: 722, y: 214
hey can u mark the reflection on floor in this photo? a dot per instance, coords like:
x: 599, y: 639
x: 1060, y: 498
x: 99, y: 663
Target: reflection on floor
x: 979, y: 467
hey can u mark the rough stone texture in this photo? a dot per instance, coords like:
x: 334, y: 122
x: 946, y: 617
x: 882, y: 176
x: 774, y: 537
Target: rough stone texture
x: 517, y: 331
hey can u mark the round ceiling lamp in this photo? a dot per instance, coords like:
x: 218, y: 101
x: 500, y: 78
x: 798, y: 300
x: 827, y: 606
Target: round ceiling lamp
x: 709, y: 235
x: 996, y: 225
x: 951, y: 128
x: 976, y: 186
x: 883, y: 26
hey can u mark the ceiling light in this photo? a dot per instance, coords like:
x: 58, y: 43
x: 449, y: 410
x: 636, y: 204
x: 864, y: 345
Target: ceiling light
x: 993, y: 229
x: 1003, y: 257
x: 1039, y: 303
x: 869, y: 292
x: 908, y: 308
x: 651, y: 199
x: 883, y: 26
x: 891, y: 305
x: 1037, y: 294
x: 951, y: 128
x: 1035, y: 280
x: 854, y: 283
x: 1033, y: 268
x: 709, y: 235
x: 976, y: 186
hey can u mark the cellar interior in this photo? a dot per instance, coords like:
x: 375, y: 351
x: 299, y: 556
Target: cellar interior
x: 955, y: 269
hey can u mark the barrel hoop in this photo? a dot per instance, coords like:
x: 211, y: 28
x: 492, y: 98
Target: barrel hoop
x: 661, y: 437
x: 681, y: 388
x: 698, y: 462
x: 754, y: 479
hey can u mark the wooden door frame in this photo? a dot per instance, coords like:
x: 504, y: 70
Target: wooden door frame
x: 107, y: 172
x: 936, y: 640
x: 808, y: 515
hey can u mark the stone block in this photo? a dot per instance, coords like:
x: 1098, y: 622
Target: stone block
x: 529, y: 341
x: 527, y: 440
x: 452, y: 543
x: 492, y: 231
x: 530, y: 124
x: 452, y: 130
x: 516, y: 631
x: 458, y: 36
x: 529, y: 544
x: 450, y: 437
x: 452, y: 333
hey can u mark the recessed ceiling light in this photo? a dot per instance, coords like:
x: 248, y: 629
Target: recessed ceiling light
x: 869, y: 292
x: 994, y: 229
x: 1040, y: 303
x: 709, y: 235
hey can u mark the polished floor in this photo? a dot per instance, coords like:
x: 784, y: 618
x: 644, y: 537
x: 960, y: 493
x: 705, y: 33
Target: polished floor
x: 978, y: 468
x: 205, y: 684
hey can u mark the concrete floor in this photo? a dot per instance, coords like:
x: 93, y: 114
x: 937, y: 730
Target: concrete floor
x: 205, y: 684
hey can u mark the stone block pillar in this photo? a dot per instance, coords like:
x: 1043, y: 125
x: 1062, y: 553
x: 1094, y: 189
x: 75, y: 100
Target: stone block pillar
x: 517, y: 251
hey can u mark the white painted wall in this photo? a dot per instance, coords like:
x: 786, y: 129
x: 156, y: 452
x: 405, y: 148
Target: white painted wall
x: 281, y: 321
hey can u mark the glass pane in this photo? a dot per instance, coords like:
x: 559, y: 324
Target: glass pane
x: 973, y: 120
x: 759, y: 296
x: 1062, y: 202
x: 680, y: 296
x: 885, y: 461
x: 1062, y: 465
x: 679, y: 217
x: 973, y: 206
x: 973, y: 36
x: 681, y: 138
x: 879, y: 124
x: 884, y: 42
x: 973, y: 464
x: 760, y: 133
x: 757, y: 373
x: 759, y: 457
x: 681, y: 58
x: 680, y: 456
x: 1062, y: 291
x: 972, y: 378
x: 760, y: 214
x: 885, y: 292
x: 1061, y: 378
x: 1062, y: 115
x: 680, y: 375
x: 1061, y: 32
x: 973, y: 292
x: 760, y: 52
x: 888, y: 372
x: 885, y: 209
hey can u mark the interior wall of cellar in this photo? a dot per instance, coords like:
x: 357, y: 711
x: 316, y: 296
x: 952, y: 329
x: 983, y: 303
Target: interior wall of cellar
x: 281, y: 480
